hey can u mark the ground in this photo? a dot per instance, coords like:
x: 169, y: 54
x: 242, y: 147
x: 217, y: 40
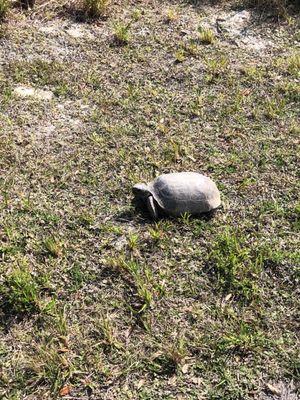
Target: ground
x: 97, y: 300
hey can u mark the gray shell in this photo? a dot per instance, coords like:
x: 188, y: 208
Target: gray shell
x: 185, y: 192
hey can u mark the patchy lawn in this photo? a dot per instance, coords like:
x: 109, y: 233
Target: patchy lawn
x: 98, y: 301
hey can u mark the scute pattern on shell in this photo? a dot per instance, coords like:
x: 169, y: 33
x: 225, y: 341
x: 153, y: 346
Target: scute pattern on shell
x: 191, y: 192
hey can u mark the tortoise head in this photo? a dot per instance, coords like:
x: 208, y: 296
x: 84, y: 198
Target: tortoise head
x: 143, y: 194
x: 141, y: 191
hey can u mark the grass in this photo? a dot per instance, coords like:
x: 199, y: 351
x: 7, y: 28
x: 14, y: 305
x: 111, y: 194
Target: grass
x: 96, y: 299
x: 167, y: 361
x: 96, y: 8
x: 293, y: 64
x: 237, y: 270
x: 20, y: 292
x: 4, y: 7
x: 171, y: 15
x: 206, y: 35
x: 108, y: 332
x: 53, y: 246
x: 122, y: 33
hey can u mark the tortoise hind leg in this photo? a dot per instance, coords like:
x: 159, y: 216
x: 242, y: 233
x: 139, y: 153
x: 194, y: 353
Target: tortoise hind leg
x: 152, y: 207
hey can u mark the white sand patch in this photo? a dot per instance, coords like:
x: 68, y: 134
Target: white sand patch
x: 49, y: 29
x: 77, y: 32
x: 239, y: 28
x: 235, y: 24
x: 26, y: 91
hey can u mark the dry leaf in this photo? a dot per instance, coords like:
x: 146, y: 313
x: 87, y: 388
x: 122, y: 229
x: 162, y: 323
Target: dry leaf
x: 185, y: 368
x: 63, y: 350
x: 64, y: 340
x: 156, y: 355
x: 64, y: 391
x: 64, y: 362
x: 228, y: 297
x: 196, y: 381
x: 246, y: 92
x: 172, y: 381
x: 273, y: 389
x: 140, y: 383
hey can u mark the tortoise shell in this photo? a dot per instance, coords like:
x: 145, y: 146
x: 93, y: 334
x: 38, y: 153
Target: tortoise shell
x: 184, y: 192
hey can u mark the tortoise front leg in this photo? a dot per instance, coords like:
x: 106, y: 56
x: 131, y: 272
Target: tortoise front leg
x: 152, y: 208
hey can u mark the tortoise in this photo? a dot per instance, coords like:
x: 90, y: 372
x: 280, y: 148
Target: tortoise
x: 177, y: 193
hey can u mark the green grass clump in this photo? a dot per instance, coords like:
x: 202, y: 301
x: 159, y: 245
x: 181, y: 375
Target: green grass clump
x: 20, y: 292
x: 206, y: 35
x: 235, y: 265
x: 53, y: 246
x: 96, y: 8
x: 171, y: 15
x: 122, y: 33
x: 4, y: 7
x: 293, y: 64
